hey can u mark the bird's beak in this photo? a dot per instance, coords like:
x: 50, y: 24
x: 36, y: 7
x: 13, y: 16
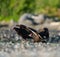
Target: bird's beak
x: 17, y: 27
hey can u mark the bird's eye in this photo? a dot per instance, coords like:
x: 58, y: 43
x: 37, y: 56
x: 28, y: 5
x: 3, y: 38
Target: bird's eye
x: 44, y: 36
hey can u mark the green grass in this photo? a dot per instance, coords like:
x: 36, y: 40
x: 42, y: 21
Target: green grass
x: 15, y: 18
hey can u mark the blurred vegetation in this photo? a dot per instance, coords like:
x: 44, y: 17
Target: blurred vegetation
x: 12, y: 9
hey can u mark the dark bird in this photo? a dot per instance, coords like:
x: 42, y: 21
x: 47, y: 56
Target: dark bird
x: 30, y: 33
x: 44, y: 33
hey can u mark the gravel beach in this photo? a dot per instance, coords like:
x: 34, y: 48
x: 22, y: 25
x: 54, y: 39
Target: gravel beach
x: 11, y: 45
